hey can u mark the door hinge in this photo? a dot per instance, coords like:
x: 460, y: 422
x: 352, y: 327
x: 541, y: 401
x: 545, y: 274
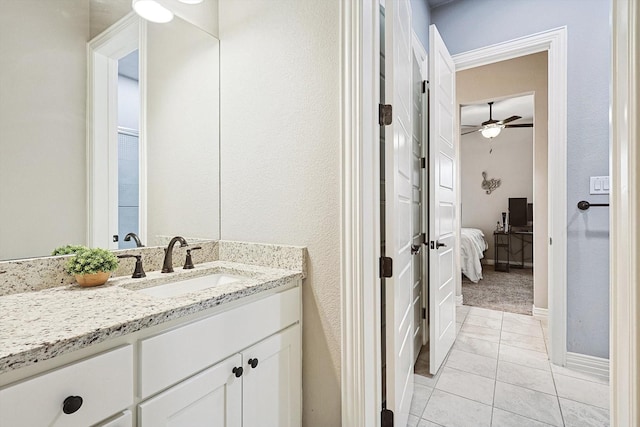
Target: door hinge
x: 386, y: 420
x: 115, y: 238
x: 423, y: 162
x: 424, y: 313
x: 550, y: 241
x: 386, y: 267
x: 425, y: 85
x: 385, y: 114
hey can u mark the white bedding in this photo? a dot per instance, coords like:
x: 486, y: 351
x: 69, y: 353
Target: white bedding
x: 472, y: 247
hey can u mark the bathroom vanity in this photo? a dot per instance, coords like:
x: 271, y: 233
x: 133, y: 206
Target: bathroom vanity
x: 117, y: 355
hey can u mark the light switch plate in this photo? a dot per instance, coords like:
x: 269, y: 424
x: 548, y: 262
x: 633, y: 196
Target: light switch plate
x: 599, y: 185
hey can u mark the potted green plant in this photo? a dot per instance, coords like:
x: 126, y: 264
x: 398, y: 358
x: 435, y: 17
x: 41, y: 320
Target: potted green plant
x: 68, y: 250
x: 92, y: 267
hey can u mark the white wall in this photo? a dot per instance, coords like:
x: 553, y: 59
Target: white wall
x: 588, y: 93
x: 512, y: 162
x: 42, y: 125
x: 182, y: 131
x: 280, y: 138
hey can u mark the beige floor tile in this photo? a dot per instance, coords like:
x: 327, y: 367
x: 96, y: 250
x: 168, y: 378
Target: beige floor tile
x: 473, y: 363
x: 582, y: 391
x: 485, y: 312
x: 522, y: 329
x: 465, y: 384
x: 481, y: 332
x: 476, y: 346
x: 521, y: 318
x: 454, y: 411
x: 485, y: 322
x: 578, y: 414
x: 528, y: 403
x: 520, y: 356
x: 503, y: 418
x: 421, y: 395
x: 523, y: 376
x: 523, y: 341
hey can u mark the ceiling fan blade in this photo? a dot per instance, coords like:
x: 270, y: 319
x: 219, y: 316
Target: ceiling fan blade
x: 521, y: 125
x: 468, y: 131
x: 510, y: 119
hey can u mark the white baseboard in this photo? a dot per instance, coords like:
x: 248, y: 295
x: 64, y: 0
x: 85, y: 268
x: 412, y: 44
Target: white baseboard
x: 458, y: 299
x: 595, y: 366
x: 540, y: 313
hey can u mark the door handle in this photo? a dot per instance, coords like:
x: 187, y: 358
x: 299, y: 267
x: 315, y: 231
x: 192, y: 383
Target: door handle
x: 415, y: 249
x: 437, y: 245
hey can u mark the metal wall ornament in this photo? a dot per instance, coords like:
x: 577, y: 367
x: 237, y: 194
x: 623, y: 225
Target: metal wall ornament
x: 490, y: 184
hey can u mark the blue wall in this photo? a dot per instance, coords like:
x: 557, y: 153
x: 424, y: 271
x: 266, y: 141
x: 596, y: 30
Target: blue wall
x: 420, y: 20
x: 466, y: 25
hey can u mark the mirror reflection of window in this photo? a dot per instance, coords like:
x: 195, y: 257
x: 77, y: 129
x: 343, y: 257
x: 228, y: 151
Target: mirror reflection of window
x: 128, y: 149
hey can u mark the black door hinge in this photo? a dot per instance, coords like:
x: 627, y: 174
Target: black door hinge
x: 423, y: 162
x: 424, y: 239
x: 385, y: 114
x: 386, y: 419
x: 386, y: 267
x: 425, y: 83
x: 114, y: 237
x: 424, y: 313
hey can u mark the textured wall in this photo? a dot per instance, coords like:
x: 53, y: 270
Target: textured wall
x: 527, y: 74
x: 280, y: 139
x: 464, y: 25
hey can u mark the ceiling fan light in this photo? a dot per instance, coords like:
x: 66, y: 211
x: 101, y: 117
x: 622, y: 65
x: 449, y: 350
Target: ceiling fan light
x: 152, y: 11
x: 491, y: 131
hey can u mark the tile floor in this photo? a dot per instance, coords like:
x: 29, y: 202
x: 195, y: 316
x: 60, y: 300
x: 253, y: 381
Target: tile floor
x: 498, y: 375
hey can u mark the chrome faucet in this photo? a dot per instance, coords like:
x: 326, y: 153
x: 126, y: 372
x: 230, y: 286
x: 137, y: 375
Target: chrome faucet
x: 167, y: 265
x: 128, y: 237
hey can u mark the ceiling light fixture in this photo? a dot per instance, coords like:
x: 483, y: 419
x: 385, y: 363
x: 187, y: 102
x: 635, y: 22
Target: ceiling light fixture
x: 152, y: 11
x: 491, y: 130
x: 190, y: 1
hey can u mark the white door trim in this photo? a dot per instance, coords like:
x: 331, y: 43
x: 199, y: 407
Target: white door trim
x: 624, y: 218
x: 360, y: 213
x: 554, y: 42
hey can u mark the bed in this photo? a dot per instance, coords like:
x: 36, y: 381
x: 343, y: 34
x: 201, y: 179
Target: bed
x: 472, y: 247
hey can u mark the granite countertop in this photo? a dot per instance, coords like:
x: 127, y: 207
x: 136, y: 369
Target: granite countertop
x: 40, y: 325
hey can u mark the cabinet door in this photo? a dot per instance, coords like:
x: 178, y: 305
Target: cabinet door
x: 124, y: 420
x: 212, y: 399
x: 271, y: 389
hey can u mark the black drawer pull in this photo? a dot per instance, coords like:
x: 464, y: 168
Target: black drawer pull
x: 238, y: 371
x: 71, y: 404
x: 253, y: 362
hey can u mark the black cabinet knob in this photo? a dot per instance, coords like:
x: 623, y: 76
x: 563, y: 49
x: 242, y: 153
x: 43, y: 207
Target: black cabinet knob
x: 238, y: 371
x: 253, y: 362
x: 71, y: 404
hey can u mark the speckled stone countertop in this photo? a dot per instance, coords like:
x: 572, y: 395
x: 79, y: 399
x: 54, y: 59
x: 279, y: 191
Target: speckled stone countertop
x: 43, y: 324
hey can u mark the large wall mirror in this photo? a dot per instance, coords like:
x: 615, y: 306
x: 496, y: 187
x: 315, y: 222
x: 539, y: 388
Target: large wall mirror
x: 153, y: 165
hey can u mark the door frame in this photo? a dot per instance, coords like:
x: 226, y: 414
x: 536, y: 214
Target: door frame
x: 359, y: 234
x: 554, y: 42
x: 103, y: 53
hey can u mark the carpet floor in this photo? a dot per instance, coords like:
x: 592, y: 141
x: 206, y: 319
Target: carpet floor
x: 498, y: 290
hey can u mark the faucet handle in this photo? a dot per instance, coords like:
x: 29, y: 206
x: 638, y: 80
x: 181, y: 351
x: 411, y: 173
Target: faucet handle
x: 138, y: 272
x: 188, y: 262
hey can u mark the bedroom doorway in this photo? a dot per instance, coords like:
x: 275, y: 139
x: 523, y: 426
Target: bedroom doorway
x: 497, y: 200
x: 512, y: 166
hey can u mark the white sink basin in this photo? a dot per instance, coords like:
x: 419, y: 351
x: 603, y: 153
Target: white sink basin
x: 190, y: 285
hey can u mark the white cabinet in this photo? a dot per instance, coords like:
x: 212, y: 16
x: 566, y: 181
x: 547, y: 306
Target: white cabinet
x: 271, y: 389
x: 212, y: 398
x: 77, y: 395
x: 123, y: 420
x: 259, y: 387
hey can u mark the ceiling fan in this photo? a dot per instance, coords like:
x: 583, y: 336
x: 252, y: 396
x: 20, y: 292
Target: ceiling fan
x: 492, y: 128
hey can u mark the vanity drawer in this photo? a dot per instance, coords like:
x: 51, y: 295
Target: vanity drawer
x: 104, y: 382
x: 175, y: 355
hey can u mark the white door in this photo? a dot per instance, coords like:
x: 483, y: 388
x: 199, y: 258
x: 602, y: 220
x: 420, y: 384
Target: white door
x: 442, y: 201
x: 398, y: 206
x: 212, y: 398
x: 272, y: 374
